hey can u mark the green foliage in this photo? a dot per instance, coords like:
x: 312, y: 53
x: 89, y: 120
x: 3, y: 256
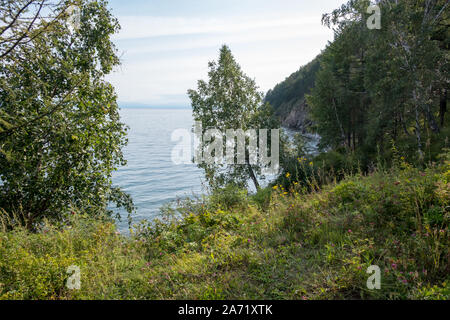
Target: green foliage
x: 312, y: 235
x: 310, y: 172
x: 34, y: 265
x: 64, y: 136
x: 263, y: 198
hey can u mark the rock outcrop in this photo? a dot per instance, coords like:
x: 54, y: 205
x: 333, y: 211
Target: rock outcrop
x: 297, y: 118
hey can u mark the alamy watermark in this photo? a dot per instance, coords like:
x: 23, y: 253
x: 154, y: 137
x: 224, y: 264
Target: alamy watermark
x: 238, y: 144
x: 374, y: 21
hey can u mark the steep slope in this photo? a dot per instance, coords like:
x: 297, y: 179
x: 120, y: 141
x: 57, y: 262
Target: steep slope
x: 288, y: 97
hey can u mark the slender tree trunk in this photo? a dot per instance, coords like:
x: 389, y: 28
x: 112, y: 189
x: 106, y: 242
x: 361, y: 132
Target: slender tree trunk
x: 443, y: 107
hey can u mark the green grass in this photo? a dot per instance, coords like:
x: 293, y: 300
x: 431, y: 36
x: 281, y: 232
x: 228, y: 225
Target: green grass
x: 278, y: 244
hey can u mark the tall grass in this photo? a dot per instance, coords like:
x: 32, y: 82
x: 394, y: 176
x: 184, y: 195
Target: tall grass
x: 293, y: 241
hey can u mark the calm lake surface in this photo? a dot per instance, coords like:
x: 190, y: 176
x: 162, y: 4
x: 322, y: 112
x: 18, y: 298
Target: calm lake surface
x: 150, y: 176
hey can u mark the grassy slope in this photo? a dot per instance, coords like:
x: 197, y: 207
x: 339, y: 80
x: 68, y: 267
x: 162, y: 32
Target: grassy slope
x: 291, y: 92
x: 298, y: 246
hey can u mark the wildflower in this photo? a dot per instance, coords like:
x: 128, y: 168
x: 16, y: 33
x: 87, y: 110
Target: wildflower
x: 311, y: 164
x: 405, y: 281
x: 394, y: 266
x: 350, y: 231
x: 275, y: 187
x: 288, y: 175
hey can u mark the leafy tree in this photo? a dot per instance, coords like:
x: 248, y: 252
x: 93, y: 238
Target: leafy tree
x: 230, y: 100
x: 63, y: 136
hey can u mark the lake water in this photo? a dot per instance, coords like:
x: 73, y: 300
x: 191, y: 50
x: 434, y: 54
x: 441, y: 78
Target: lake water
x: 150, y: 176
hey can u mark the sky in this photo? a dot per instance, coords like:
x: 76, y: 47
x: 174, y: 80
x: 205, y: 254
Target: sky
x: 165, y: 45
